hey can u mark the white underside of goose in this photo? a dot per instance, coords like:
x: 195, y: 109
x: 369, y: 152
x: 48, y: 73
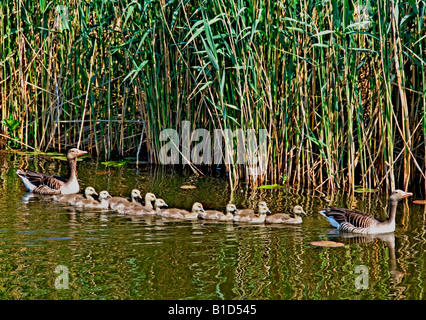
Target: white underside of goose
x: 30, y: 187
x: 333, y: 222
x: 71, y: 188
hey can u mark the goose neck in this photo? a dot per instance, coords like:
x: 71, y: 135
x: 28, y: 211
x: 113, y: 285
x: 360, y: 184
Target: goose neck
x: 393, y: 206
x: 72, y: 164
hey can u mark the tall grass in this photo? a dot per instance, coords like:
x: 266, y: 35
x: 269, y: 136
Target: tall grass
x: 339, y: 85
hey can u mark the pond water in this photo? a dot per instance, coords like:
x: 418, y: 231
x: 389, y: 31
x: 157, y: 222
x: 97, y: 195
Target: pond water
x: 109, y: 256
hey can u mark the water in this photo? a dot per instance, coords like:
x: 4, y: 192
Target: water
x: 108, y: 256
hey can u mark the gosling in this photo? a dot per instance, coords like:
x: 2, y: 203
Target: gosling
x: 197, y: 209
x: 93, y: 204
x: 249, y: 215
x: 116, y: 201
x: 159, y: 204
x: 292, y: 218
x: 149, y: 200
x: 231, y: 209
x: 71, y: 199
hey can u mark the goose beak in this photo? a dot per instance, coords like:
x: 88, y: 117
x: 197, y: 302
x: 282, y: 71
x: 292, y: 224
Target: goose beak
x: 80, y: 152
x: 407, y: 194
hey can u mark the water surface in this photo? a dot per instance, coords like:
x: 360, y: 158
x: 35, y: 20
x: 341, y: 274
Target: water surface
x: 109, y: 256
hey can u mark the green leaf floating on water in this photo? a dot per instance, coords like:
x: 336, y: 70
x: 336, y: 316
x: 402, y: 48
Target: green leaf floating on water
x: 364, y: 190
x: 114, y: 163
x: 64, y: 158
x: 270, y: 186
x: 36, y: 153
x: 330, y: 244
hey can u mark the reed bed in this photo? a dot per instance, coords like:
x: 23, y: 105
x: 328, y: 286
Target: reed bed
x: 340, y: 86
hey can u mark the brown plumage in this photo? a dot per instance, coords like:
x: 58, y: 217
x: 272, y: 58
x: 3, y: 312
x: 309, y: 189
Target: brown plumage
x: 361, y: 222
x: 175, y: 213
x: 149, y: 200
x: 286, y: 218
x: 75, y: 197
x: 93, y: 204
x: 249, y: 215
x: 141, y: 210
x: 114, y: 202
x: 231, y: 209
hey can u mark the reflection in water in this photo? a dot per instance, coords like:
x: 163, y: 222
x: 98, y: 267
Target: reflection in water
x: 388, y: 239
x: 110, y: 256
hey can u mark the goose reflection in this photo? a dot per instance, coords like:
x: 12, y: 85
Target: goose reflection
x: 387, y: 238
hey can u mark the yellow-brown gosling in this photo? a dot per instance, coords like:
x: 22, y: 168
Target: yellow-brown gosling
x: 231, y: 209
x: 159, y: 204
x: 73, y: 198
x: 292, y: 218
x: 149, y: 201
x: 93, y: 204
x: 116, y: 201
x: 174, y: 213
x: 249, y: 215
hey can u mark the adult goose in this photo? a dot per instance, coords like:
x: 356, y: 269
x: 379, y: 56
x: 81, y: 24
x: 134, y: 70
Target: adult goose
x: 75, y: 197
x: 93, y: 204
x: 44, y: 184
x: 293, y: 218
x: 361, y: 222
x: 159, y: 204
x: 114, y: 202
x: 249, y: 215
x: 174, y: 213
x: 231, y: 209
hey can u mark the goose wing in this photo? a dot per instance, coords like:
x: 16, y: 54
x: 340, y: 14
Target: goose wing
x: 44, y: 189
x: 347, y: 217
x: 38, y: 180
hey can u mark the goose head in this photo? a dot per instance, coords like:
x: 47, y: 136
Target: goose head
x: 90, y: 191
x: 231, y: 208
x: 160, y: 203
x: 197, y: 207
x: 136, y: 194
x: 298, y: 210
x: 74, y: 153
x: 263, y: 208
x: 103, y: 195
x: 150, y: 199
x: 398, y: 195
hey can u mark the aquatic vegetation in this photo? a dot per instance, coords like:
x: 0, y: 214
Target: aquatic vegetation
x: 114, y: 163
x: 339, y: 86
x: 270, y: 186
